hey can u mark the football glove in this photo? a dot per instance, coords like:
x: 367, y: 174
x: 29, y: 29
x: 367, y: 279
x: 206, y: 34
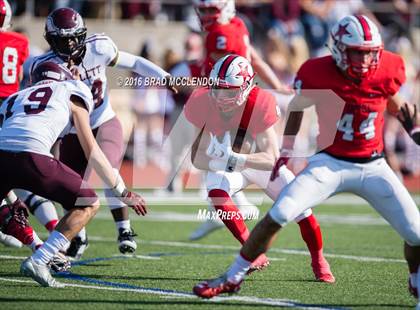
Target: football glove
x: 409, y: 122
x: 282, y: 160
x: 131, y: 199
x: 223, y: 157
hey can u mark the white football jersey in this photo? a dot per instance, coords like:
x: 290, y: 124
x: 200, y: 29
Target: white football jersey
x: 100, y: 51
x: 32, y: 120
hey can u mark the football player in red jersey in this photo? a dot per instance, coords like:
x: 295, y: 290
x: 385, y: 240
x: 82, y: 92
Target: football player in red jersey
x: 13, y: 53
x: 237, y: 108
x: 367, y: 79
x: 227, y: 34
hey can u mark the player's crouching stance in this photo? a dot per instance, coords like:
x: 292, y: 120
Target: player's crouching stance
x: 32, y: 120
x: 236, y: 107
x: 353, y: 163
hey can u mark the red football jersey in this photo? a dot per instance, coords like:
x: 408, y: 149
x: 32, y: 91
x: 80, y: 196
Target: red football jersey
x: 231, y: 38
x: 13, y: 53
x: 360, y: 131
x: 256, y: 115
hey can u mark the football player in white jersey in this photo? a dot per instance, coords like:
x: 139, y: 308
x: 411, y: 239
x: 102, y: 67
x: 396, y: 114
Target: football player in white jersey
x: 31, y: 122
x: 65, y: 32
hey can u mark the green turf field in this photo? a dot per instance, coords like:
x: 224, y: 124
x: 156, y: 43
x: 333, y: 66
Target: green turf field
x: 365, y: 256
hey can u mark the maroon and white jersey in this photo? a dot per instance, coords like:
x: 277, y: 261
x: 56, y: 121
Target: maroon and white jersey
x: 100, y: 51
x: 32, y: 120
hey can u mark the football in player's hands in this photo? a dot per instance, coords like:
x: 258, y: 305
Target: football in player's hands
x: 134, y: 201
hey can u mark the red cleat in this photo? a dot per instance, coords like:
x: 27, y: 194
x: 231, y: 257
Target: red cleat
x: 413, y: 290
x: 215, y: 287
x: 322, y: 271
x: 259, y: 264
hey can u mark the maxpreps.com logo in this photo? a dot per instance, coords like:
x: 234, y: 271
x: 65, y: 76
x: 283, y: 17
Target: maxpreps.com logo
x: 206, y: 215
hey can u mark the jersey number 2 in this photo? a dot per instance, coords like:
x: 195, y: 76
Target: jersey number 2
x: 367, y: 127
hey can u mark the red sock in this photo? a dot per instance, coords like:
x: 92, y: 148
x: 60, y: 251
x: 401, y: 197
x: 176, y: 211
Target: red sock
x: 50, y: 226
x: 222, y: 201
x: 311, y: 234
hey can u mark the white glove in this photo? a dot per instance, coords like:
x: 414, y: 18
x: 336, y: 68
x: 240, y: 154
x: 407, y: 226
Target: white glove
x: 223, y: 158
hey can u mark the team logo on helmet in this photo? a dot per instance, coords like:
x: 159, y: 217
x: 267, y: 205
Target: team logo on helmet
x: 235, y: 78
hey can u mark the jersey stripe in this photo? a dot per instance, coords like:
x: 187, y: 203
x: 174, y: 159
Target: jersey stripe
x: 225, y: 65
x: 365, y: 26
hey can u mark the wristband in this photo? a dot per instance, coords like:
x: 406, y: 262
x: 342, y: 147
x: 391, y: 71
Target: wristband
x: 416, y: 129
x: 236, y: 162
x: 119, y: 190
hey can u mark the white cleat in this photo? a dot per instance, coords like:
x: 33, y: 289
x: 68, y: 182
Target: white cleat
x: 206, y: 228
x: 39, y: 272
x: 10, y: 241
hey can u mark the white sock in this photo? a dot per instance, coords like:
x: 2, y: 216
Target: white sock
x: 55, y: 242
x: 125, y: 224
x: 37, y: 241
x: 238, y: 269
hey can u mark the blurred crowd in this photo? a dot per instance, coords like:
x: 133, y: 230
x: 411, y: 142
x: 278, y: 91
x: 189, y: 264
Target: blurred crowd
x: 286, y: 33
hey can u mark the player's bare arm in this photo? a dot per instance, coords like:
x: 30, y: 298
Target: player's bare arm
x: 199, y: 157
x: 98, y: 159
x: 269, y: 151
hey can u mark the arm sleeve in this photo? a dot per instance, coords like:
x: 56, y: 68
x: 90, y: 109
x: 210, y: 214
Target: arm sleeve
x: 140, y: 65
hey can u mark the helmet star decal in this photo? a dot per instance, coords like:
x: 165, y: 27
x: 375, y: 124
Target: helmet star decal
x: 244, y: 71
x: 342, y: 30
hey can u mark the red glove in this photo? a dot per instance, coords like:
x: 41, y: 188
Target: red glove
x: 285, y: 155
x: 134, y: 201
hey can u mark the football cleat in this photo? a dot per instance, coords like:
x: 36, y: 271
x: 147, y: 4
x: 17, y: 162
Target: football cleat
x: 9, y: 241
x: 59, y: 263
x: 126, y: 242
x: 413, y: 290
x: 259, y: 264
x: 215, y: 287
x: 39, y: 272
x: 206, y: 228
x: 77, y: 248
x: 322, y: 271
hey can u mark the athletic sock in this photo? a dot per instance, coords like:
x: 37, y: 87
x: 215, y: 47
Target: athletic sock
x: 55, y: 242
x: 236, y: 224
x: 311, y: 234
x: 238, y: 269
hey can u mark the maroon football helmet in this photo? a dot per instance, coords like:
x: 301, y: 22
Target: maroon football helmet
x: 49, y: 70
x: 65, y: 32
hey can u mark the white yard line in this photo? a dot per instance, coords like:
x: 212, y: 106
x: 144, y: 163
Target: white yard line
x: 174, y: 294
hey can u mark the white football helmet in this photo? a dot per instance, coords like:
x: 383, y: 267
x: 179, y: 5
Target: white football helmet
x: 214, y: 11
x: 5, y: 15
x: 235, y: 77
x: 356, y: 32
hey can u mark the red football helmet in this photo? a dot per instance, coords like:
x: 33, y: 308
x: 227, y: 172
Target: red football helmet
x: 214, y: 11
x: 5, y: 15
x: 49, y: 70
x: 65, y: 32
x: 359, y: 35
x: 233, y: 78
